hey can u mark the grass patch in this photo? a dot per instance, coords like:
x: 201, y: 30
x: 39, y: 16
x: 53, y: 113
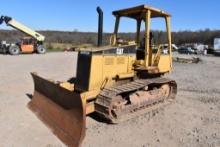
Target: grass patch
x: 59, y: 47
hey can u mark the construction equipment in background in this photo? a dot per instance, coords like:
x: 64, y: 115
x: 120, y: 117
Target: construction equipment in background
x: 186, y: 59
x: 216, y: 47
x: 118, y: 82
x: 200, y: 49
x: 174, y: 47
x: 33, y: 43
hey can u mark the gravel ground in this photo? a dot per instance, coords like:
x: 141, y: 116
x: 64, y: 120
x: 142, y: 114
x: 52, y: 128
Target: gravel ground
x: 192, y: 121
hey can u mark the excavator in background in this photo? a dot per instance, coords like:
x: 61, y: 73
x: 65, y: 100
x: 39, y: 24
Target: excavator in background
x: 118, y: 82
x: 33, y: 43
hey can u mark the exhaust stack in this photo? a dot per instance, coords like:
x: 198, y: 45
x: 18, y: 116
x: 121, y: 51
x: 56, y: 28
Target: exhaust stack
x: 100, y: 26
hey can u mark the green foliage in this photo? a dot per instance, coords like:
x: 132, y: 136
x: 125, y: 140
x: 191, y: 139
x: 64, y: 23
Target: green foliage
x: 52, y: 47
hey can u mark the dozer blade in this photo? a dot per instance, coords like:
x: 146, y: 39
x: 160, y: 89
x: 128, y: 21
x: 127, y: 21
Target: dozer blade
x: 60, y: 109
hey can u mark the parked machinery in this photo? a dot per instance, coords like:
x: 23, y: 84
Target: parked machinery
x: 217, y: 46
x: 33, y: 43
x: 117, y: 82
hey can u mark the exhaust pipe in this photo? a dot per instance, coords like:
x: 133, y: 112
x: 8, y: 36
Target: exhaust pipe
x: 100, y: 26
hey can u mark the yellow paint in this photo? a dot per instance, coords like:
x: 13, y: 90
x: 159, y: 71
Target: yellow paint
x: 67, y: 86
x: 167, y: 19
x: 26, y: 30
x: 99, y: 70
x: 105, y: 68
x: 90, y: 107
x: 148, y: 51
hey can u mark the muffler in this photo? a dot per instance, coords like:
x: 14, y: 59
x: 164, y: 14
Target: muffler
x: 100, y: 26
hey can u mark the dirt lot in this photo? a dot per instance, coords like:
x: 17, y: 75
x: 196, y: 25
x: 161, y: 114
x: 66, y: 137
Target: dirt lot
x: 192, y: 121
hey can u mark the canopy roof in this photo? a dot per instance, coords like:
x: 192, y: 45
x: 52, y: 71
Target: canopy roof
x: 139, y: 11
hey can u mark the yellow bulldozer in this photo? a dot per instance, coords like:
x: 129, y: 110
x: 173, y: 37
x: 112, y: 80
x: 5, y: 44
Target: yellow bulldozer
x: 118, y: 82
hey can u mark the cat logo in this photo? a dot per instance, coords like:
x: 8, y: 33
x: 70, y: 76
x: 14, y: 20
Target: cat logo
x: 119, y: 51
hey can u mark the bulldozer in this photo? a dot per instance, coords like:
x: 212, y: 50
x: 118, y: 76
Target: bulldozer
x: 117, y: 82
